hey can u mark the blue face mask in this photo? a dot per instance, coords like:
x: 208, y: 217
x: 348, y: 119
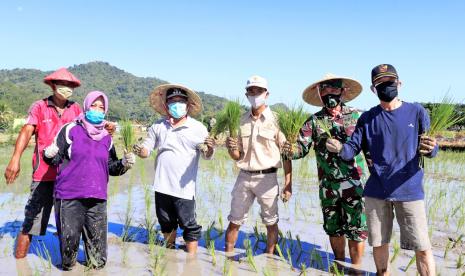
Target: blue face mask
x: 94, y: 116
x: 177, y: 109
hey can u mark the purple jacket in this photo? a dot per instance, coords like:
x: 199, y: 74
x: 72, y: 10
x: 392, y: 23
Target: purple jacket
x: 84, y: 164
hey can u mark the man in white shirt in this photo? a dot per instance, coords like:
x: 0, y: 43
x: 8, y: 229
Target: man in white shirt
x: 177, y: 137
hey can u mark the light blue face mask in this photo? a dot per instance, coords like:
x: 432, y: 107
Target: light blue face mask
x: 94, y: 116
x: 177, y: 109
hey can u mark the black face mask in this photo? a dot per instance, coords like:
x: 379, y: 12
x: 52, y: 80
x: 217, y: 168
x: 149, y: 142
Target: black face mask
x: 331, y: 100
x: 387, y: 91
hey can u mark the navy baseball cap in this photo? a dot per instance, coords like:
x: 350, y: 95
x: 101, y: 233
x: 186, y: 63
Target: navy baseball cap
x: 383, y: 70
x: 173, y: 92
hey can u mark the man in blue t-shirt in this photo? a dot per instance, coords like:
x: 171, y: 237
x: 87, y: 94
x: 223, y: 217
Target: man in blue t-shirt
x: 392, y: 137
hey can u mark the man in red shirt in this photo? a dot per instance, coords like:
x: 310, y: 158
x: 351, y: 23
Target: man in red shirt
x: 46, y: 117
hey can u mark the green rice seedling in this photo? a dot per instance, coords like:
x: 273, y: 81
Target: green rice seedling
x: 260, y: 237
x: 448, y: 247
x: 208, y: 233
x: 289, y: 258
x: 299, y: 247
x: 220, y: 228
x: 290, y: 241
x: 228, y: 119
x: 127, y: 236
x: 227, y: 267
x: 211, y: 249
x: 44, y: 255
x: 336, y: 271
x: 281, y: 239
x: 326, y: 125
x: 303, y: 269
x: 411, y: 262
x: 149, y: 223
x: 460, y: 222
x: 158, y: 263
x: 267, y: 272
x: 127, y: 134
x: 290, y: 122
x: 458, y: 241
x: 460, y: 262
x: 443, y: 116
x: 396, y: 251
x: 327, y: 257
x: 280, y: 252
x: 249, y: 255
x: 36, y: 271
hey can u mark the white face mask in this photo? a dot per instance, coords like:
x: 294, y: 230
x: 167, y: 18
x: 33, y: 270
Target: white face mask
x: 257, y: 101
x: 64, y: 91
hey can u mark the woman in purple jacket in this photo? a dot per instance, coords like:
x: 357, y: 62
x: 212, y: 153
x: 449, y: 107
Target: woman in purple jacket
x: 85, y: 155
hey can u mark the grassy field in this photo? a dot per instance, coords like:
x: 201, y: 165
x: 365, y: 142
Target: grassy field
x: 134, y: 236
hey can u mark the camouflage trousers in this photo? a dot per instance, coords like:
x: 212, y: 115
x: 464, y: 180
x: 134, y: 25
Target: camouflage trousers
x: 343, y: 209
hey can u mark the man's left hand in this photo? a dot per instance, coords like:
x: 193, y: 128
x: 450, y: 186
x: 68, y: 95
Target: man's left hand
x: 210, y: 143
x: 333, y: 145
x: 427, y: 144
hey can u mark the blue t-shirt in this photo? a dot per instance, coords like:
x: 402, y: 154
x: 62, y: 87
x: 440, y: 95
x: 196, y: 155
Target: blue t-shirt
x: 389, y: 140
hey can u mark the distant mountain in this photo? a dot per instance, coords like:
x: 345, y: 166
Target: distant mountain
x: 128, y: 94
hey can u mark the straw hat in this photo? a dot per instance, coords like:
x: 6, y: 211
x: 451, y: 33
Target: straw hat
x: 311, y: 95
x: 158, y: 99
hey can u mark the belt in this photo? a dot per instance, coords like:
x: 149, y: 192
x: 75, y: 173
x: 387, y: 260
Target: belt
x: 270, y: 170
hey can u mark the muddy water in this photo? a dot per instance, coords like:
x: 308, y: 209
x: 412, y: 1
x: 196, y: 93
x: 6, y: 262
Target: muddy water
x: 300, y: 217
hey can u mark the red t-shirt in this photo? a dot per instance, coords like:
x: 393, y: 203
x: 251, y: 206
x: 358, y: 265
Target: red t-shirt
x: 44, y: 116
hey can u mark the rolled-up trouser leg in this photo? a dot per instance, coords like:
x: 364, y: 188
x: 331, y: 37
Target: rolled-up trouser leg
x: 95, y: 232
x: 70, y: 220
x: 38, y: 208
x: 185, y: 210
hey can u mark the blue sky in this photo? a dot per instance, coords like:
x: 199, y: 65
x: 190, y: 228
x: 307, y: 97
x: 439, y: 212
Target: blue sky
x: 214, y: 46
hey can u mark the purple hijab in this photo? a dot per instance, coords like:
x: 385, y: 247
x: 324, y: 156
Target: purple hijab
x: 95, y: 131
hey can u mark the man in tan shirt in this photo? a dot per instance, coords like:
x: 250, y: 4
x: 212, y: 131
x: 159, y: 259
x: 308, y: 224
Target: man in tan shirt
x: 258, y: 155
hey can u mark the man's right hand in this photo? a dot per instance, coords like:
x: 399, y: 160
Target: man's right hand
x: 13, y: 168
x: 140, y: 150
x: 12, y: 171
x: 231, y: 144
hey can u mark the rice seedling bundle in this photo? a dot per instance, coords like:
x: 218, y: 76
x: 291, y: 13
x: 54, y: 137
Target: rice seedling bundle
x: 127, y: 134
x: 443, y: 116
x: 290, y: 121
x: 228, y: 119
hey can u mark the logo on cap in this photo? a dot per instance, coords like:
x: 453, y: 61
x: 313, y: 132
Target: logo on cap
x: 383, y: 68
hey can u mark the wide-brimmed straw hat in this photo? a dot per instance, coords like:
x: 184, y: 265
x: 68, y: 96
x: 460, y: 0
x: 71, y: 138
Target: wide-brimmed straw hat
x: 62, y: 75
x: 311, y: 95
x: 158, y: 99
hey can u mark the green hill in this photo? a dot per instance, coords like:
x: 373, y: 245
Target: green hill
x: 128, y: 93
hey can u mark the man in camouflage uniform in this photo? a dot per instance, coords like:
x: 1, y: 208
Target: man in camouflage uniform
x: 340, y: 181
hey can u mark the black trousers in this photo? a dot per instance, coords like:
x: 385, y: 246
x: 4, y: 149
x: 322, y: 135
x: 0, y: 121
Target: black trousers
x: 173, y: 211
x: 86, y: 216
x: 38, y: 208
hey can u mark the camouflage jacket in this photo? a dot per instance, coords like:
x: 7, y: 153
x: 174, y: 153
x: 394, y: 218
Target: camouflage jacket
x: 330, y: 166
